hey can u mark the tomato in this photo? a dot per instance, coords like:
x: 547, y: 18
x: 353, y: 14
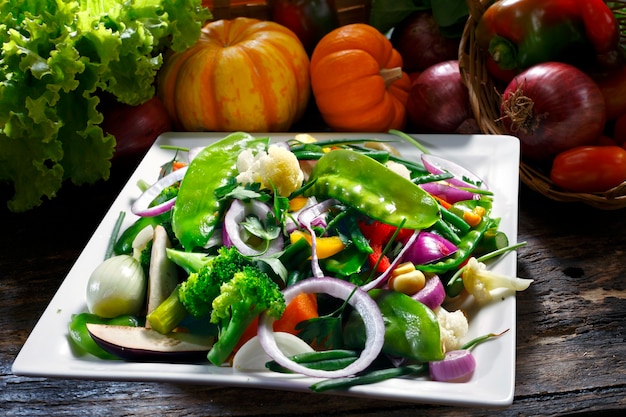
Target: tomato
x: 589, y: 169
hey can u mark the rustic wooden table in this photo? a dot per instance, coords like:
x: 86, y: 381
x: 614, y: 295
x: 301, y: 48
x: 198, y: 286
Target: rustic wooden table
x: 571, y: 341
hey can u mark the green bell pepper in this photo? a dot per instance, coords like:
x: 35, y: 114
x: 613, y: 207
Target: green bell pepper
x: 411, y: 328
x: 80, y: 337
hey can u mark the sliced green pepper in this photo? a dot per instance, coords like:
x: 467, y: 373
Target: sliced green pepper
x: 368, y: 186
x: 198, y: 209
x: 79, y: 335
x: 411, y: 328
x: 124, y: 244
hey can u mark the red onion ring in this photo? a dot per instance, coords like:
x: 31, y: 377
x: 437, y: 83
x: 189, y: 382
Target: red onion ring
x: 306, y: 218
x: 359, y: 299
x: 235, y: 215
x: 449, y: 193
x: 141, y: 206
x: 438, y: 165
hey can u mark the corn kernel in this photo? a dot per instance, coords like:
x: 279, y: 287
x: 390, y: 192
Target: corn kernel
x: 406, y: 279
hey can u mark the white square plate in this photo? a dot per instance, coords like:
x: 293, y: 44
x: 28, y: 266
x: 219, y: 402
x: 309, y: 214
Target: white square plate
x: 47, y: 352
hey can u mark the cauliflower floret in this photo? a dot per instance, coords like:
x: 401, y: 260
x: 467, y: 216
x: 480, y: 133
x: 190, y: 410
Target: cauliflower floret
x: 453, y: 327
x: 482, y: 283
x: 399, y: 169
x: 282, y: 169
x: 248, y: 166
x: 278, y: 167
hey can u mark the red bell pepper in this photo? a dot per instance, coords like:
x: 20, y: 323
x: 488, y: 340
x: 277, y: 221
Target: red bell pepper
x: 521, y: 33
x: 379, y: 234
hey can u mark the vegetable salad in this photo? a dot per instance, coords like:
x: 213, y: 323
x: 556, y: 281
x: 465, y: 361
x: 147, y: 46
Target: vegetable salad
x: 341, y: 244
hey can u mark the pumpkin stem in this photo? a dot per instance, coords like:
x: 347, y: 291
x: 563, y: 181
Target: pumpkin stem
x: 390, y: 75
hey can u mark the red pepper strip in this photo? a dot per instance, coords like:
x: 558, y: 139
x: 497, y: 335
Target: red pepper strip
x: 601, y: 25
x: 379, y: 234
x: 377, y: 257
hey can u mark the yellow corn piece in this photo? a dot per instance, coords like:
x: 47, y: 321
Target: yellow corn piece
x: 406, y: 279
x: 324, y: 246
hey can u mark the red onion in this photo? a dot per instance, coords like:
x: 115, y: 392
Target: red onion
x: 552, y: 107
x: 433, y: 293
x: 357, y: 298
x: 448, y: 192
x: 457, y: 366
x: 135, y: 127
x: 420, y: 42
x: 439, y: 100
x: 232, y: 230
x: 427, y: 248
x: 141, y: 206
x: 462, y: 176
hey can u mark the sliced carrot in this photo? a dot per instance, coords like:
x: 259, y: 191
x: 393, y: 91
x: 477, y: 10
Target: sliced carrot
x: 248, y: 334
x: 302, y: 307
x: 443, y: 202
x: 178, y: 165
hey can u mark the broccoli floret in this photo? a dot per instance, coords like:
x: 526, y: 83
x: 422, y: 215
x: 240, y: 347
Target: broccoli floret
x: 241, y: 300
x: 195, y: 295
x: 188, y: 261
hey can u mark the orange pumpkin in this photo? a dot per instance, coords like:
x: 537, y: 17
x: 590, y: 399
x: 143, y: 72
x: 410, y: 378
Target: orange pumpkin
x: 357, y: 80
x: 242, y: 75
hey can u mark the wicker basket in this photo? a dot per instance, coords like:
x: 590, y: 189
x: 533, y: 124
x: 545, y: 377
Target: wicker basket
x: 485, y: 102
x: 346, y: 11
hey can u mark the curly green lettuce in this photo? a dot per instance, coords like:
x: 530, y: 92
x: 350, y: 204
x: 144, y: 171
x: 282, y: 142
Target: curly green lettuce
x: 56, y: 58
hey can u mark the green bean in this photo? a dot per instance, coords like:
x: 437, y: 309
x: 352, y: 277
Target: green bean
x: 423, y: 179
x: 325, y: 365
x: 464, y: 249
x: 369, y: 377
x: 447, y: 231
x: 455, y: 220
x: 308, y: 155
x: 328, y: 360
x: 112, y: 240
